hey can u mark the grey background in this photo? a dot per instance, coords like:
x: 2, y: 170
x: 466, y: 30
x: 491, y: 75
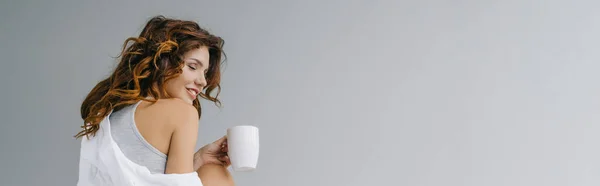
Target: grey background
x: 349, y: 92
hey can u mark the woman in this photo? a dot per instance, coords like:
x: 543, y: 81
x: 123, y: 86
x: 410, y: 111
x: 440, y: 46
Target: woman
x: 149, y: 105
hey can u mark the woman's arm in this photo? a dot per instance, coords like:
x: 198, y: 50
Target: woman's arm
x: 181, y: 156
x: 184, y: 119
x: 215, y: 175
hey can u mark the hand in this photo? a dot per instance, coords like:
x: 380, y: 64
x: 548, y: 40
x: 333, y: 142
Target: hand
x: 213, y: 153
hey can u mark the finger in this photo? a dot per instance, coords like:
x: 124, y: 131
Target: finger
x: 225, y: 148
x: 228, y: 162
x: 223, y: 154
x: 221, y: 140
x: 225, y: 160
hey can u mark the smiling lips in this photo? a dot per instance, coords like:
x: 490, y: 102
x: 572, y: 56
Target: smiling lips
x: 193, y: 92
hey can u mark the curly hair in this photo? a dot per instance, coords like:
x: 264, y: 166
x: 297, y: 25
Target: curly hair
x: 146, y: 63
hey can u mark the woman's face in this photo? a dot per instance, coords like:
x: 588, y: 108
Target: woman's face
x: 188, y: 85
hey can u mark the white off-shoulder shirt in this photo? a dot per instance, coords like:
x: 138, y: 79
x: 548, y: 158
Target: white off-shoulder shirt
x: 102, y: 162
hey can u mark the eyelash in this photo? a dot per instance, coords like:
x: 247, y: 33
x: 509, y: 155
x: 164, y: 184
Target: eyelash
x: 194, y: 68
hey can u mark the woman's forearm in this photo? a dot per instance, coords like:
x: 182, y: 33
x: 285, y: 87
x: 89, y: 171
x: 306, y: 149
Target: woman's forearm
x: 215, y: 175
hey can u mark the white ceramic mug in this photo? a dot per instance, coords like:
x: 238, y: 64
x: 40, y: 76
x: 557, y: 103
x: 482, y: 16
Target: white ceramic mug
x: 243, y: 147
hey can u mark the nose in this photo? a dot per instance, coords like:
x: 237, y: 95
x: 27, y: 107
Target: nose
x: 201, y: 82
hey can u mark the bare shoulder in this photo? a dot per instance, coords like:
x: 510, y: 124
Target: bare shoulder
x: 183, y: 118
x: 175, y: 111
x: 161, y: 121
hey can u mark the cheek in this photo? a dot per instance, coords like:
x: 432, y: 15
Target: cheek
x: 188, y: 77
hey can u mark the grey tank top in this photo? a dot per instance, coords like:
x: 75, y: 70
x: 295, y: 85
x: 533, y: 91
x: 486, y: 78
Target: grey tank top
x: 132, y: 143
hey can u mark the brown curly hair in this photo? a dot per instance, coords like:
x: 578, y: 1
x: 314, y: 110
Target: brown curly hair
x: 146, y: 63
